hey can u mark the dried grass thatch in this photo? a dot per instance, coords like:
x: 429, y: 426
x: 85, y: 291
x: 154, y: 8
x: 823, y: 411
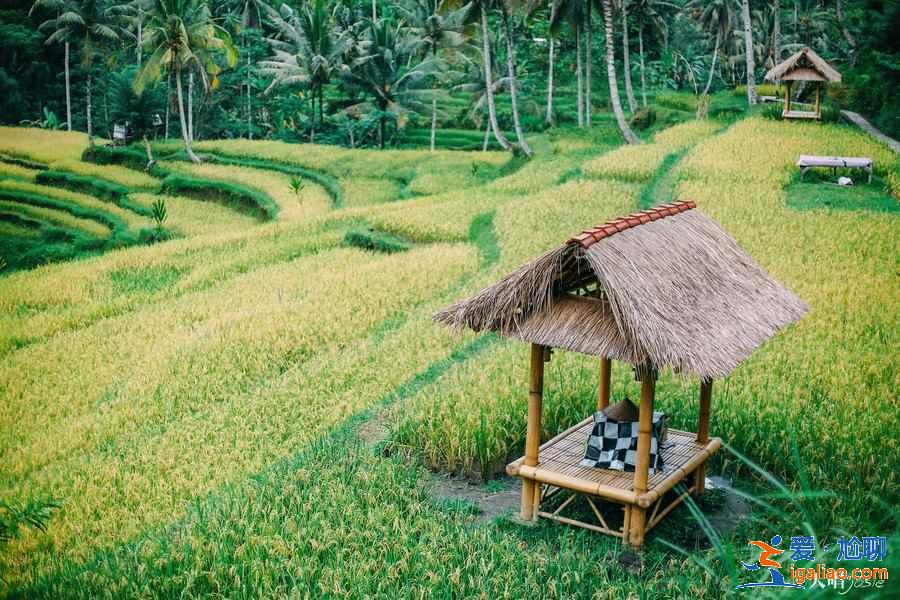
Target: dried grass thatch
x: 804, y: 65
x: 673, y: 290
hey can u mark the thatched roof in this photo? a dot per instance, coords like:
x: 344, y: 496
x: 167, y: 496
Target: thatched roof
x: 804, y: 65
x: 666, y: 286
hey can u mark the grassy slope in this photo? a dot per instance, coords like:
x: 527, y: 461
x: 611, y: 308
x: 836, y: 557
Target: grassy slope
x: 254, y: 343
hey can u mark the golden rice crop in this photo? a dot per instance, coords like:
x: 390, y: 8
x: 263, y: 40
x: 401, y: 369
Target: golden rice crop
x: 52, y: 299
x: 42, y: 145
x: 130, y: 178
x: 190, y: 217
x: 822, y: 389
x: 16, y: 172
x: 310, y: 201
x: 132, y: 220
x: 640, y: 162
x: 232, y: 377
x: 56, y: 217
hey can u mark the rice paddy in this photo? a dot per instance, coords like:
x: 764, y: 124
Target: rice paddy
x: 192, y: 404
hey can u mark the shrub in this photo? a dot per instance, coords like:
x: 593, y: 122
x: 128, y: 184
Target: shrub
x: 643, y: 118
x: 371, y: 239
x: 772, y: 111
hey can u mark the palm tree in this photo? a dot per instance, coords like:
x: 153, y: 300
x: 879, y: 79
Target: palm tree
x: 575, y: 12
x: 748, y: 52
x: 508, y: 31
x: 308, y: 51
x: 627, y: 133
x: 133, y: 14
x: 481, y: 7
x: 437, y: 28
x: 91, y: 22
x: 653, y: 13
x: 476, y: 87
x: 392, y: 75
x: 715, y: 17
x: 626, y: 59
x: 60, y: 34
x: 243, y: 16
x: 183, y: 36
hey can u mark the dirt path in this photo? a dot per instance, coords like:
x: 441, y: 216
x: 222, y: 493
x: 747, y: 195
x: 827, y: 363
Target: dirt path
x: 861, y: 122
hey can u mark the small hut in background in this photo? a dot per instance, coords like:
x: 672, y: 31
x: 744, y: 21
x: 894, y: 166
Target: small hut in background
x: 804, y: 65
x: 666, y: 287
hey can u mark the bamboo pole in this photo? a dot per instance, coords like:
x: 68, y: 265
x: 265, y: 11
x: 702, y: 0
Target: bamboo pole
x: 818, y: 99
x: 605, y: 377
x: 533, y: 433
x: 787, y: 97
x: 703, y: 432
x: 642, y: 467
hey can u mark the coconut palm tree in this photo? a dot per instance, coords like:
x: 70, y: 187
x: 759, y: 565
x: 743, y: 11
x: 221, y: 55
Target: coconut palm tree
x: 243, y: 16
x: 90, y: 22
x: 508, y: 32
x: 575, y: 13
x: 183, y: 37
x: 626, y: 57
x: 132, y: 15
x: 308, y: 51
x: 627, y: 133
x: 653, y: 13
x: 475, y: 86
x: 438, y: 27
x: 481, y: 9
x: 392, y: 75
x: 59, y: 35
x: 748, y: 52
x: 714, y: 17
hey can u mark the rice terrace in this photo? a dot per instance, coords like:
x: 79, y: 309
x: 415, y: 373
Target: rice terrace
x: 426, y: 298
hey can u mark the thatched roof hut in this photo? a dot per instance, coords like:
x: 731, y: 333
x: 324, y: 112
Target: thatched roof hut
x: 804, y: 65
x: 665, y: 287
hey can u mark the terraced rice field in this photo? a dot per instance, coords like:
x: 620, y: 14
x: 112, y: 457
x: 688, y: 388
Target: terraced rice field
x: 194, y: 404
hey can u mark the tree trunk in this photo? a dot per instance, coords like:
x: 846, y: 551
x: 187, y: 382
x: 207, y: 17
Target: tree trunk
x: 712, y: 65
x: 748, y: 53
x: 190, y: 111
x: 487, y: 136
x: 90, y: 121
x: 641, y: 53
x: 627, y: 133
x: 168, y: 102
x: 381, y: 129
x: 68, y: 92
x: 776, y: 34
x: 626, y: 61
x: 139, y: 40
x: 184, y: 127
x: 578, y: 70
x: 249, y: 102
x: 489, y: 82
x: 851, y: 41
x: 549, y: 117
x: 513, y: 84
x: 433, y: 115
x: 588, y: 59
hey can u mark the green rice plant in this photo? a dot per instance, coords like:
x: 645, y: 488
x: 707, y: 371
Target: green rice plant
x: 106, y: 190
x: 158, y: 212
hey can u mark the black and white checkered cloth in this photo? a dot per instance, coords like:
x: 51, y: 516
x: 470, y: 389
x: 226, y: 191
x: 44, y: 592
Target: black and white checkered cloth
x: 613, y: 444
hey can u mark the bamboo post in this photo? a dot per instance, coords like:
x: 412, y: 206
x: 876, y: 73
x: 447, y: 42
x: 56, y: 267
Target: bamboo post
x: 818, y: 99
x: 637, y: 525
x: 605, y: 377
x: 533, y: 433
x: 703, y: 432
x: 787, y: 97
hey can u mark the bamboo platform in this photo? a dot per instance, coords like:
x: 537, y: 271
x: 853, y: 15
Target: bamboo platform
x: 800, y: 114
x: 558, y: 469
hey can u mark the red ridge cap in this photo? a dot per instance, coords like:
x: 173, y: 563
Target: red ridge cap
x: 589, y: 237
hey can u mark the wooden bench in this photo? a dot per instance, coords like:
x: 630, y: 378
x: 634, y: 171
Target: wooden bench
x: 807, y: 162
